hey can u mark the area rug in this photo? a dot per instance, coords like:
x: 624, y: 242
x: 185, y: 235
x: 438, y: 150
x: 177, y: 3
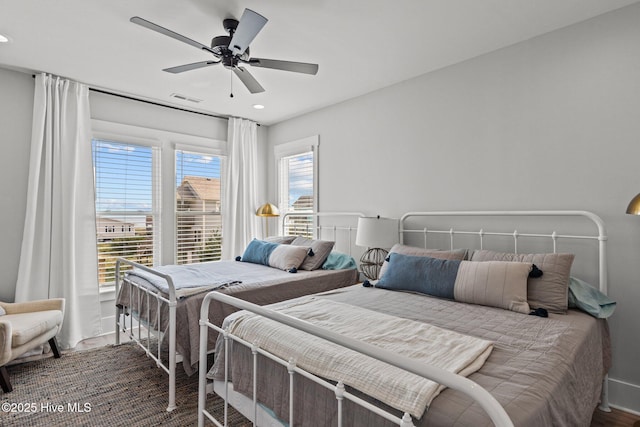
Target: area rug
x: 107, y: 386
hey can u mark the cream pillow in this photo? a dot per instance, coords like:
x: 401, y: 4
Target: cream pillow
x: 493, y: 283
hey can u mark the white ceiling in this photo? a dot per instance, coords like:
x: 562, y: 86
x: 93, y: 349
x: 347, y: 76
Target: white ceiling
x: 360, y: 45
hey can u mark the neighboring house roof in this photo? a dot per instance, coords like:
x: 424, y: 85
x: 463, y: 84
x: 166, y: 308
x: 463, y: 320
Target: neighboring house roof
x: 199, y: 188
x: 303, y: 203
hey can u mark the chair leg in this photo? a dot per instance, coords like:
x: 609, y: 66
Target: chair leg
x: 54, y: 347
x: 4, y: 380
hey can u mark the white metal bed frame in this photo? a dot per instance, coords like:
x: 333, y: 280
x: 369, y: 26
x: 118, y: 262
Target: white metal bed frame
x: 472, y: 389
x: 318, y: 228
x: 601, y: 236
x: 145, y: 341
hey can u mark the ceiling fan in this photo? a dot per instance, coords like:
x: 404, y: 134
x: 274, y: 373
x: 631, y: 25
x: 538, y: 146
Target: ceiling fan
x: 233, y: 50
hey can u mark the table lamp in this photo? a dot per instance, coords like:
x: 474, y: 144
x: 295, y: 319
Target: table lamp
x: 377, y: 234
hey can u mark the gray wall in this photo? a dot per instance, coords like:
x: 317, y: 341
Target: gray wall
x: 550, y: 123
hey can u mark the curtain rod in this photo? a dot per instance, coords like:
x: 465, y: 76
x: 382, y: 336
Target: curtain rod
x: 133, y: 98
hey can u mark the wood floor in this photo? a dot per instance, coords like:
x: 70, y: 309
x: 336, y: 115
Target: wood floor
x: 615, y: 418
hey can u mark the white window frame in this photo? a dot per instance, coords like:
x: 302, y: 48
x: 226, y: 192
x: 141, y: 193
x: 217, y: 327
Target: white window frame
x: 167, y: 142
x: 293, y: 148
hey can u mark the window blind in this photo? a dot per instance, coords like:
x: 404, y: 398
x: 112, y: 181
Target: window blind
x: 198, y: 218
x: 296, y: 189
x: 126, y: 185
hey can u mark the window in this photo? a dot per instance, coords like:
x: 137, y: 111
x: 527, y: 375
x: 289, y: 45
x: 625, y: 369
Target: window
x: 297, y: 184
x: 157, y: 199
x: 126, y: 183
x: 198, y: 219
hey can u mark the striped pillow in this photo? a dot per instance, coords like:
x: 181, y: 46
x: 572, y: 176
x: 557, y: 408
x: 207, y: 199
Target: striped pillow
x: 282, y: 257
x: 496, y: 283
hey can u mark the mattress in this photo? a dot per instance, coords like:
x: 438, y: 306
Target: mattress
x: 259, y: 284
x: 543, y: 371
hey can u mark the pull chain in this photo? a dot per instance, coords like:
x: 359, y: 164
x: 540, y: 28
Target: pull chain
x: 231, y: 84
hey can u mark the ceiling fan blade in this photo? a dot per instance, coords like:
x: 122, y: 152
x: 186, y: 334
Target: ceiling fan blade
x: 296, y: 67
x: 249, y: 81
x: 157, y: 28
x: 189, y: 67
x: 249, y: 26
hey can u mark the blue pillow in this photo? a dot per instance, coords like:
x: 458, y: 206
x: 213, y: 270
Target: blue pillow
x: 589, y: 299
x: 339, y: 261
x: 426, y: 275
x: 258, y: 252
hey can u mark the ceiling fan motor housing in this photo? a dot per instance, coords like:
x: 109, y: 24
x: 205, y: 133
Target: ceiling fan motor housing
x: 220, y: 48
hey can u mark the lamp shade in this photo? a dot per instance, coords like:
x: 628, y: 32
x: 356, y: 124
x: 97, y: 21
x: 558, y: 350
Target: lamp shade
x: 268, y: 210
x: 376, y: 232
x: 634, y: 206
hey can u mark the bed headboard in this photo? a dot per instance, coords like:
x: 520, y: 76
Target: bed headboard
x: 516, y: 231
x: 339, y: 227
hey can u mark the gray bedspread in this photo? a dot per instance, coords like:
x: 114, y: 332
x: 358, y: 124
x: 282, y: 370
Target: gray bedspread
x: 259, y: 284
x: 543, y: 371
x: 185, y: 278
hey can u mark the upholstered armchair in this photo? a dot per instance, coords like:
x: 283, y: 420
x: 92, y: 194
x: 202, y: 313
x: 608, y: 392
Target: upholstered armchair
x: 25, y: 326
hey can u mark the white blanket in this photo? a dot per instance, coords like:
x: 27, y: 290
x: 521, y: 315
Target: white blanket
x: 461, y: 354
x: 204, y: 275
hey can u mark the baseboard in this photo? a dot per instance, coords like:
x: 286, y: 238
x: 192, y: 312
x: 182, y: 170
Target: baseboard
x: 108, y: 325
x: 624, y: 396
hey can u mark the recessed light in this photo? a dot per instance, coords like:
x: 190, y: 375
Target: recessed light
x: 258, y: 106
x: 4, y: 39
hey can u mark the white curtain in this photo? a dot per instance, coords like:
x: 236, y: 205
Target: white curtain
x: 239, y: 221
x: 58, y: 256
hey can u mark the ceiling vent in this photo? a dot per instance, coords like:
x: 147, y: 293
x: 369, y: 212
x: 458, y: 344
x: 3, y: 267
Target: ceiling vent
x: 186, y: 98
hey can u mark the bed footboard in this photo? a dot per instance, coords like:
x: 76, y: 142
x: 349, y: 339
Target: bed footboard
x: 489, y: 404
x: 145, y: 342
